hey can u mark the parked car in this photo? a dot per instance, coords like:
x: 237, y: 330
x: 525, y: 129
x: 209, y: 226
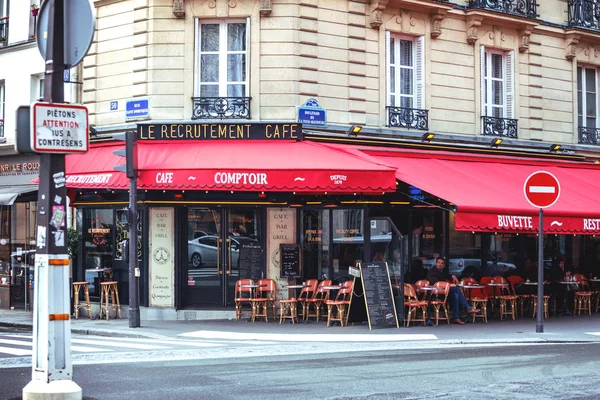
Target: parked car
x: 202, y: 251
x: 471, y: 267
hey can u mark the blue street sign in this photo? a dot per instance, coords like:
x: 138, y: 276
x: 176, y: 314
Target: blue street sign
x: 138, y: 108
x: 114, y: 105
x: 312, y: 114
x: 67, y: 76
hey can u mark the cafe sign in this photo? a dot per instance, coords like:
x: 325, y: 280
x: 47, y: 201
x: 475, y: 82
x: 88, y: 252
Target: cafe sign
x: 203, y: 131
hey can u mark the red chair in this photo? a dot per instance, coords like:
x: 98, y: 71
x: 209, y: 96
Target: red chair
x: 479, y: 301
x: 317, y: 301
x: 414, y: 304
x: 508, y: 301
x: 265, y: 298
x: 441, y: 300
x: 514, y: 281
x: 307, y: 292
x: 338, y: 308
x: 422, y: 295
x: 242, y: 295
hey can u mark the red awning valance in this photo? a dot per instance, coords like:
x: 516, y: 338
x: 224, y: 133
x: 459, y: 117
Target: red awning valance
x: 234, y: 165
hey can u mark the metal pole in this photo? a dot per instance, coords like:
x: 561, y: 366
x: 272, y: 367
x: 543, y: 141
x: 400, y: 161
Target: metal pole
x: 134, y: 299
x: 52, y: 370
x: 539, y: 324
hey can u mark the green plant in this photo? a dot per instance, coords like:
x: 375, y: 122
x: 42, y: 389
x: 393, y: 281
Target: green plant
x: 2, y: 38
x: 34, y: 6
x: 73, y: 237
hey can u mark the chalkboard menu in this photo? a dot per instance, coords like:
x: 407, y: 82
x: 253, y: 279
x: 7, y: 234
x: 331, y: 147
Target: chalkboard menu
x: 379, y: 298
x: 251, y: 261
x: 290, y: 260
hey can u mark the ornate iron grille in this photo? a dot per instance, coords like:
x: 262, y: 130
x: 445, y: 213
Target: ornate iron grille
x: 503, y: 127
x: 523, y: 8
x: 1, y: 128
x: 589, y: 136
x: 584, y: 14
x: 409, y: 118
x: 221, y: 108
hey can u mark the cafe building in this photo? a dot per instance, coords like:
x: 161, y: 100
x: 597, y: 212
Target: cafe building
x: 217, y: 201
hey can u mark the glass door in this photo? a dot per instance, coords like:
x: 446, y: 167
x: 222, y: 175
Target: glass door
x: 224, y: 245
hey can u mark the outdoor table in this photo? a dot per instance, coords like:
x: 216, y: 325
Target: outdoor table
x: 429, y: 290
x: 567, y: 290
x: 103, y: 273
x: 494, y: 286
x: 470, y: 288
x: 253, y: 287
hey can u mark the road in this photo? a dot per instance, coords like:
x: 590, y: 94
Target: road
x: 550, y: 371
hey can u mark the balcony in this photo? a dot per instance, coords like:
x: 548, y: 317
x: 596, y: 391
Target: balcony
x: 520, y: 8
x: 584, y: 14
x: 502, y: 127
x: 589, y: 136
x: 221, y: 107
x: 3, y: 31
x: 408, y: 118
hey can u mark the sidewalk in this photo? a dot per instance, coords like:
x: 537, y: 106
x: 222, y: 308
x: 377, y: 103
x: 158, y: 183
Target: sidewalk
x: 562, y: 329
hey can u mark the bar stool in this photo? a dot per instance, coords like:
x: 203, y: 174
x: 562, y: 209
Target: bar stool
x: 77, y: 286
x: 109, y: 289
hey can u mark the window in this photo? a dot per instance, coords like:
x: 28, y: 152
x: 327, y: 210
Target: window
x: 2, y: 100
x: 497, y: 83
x: 4, y: 7
x: 587, y: 98
x: 37, y: 87
x: 222, y: 65
x: 405, y: 71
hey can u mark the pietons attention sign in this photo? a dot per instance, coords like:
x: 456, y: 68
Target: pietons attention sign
x: 59, y: 128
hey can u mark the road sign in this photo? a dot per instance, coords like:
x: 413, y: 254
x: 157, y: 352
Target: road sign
x: 59, y: 128
x: 138, y: 108
x: 541, y: 189
x: 311, y: 113
x: 79, y: 28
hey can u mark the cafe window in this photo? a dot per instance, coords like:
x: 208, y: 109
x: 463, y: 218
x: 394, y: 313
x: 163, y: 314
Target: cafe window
x: 222, y: 64
x: 348, y: 241
x: 315, y: 244
x: 98, y: 245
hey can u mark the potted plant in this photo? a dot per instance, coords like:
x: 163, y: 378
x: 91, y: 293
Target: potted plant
x: 34, y: 10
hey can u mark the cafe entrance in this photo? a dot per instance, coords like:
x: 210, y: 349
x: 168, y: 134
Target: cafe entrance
x: 219, y: 241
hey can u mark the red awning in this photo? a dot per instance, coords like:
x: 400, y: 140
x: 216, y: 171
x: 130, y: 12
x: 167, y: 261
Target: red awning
x: 489, y: 194
x: 234, y: 165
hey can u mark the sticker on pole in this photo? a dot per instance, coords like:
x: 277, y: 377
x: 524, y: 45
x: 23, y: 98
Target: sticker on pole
x: 541, y: 189
x: 59, y: 128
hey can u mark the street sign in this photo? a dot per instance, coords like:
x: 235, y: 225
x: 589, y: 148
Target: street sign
x: 79, y: 28
x: 59, y: 128
x: 67, y: 76
x: 114, y: 105
x: 541, y: 189
x: 312, y: 114
x: 138, y: 108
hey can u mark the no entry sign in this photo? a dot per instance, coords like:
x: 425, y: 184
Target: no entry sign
x: 541, y: 189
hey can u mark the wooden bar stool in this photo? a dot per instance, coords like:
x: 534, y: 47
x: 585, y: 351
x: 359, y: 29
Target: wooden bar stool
x: 109, y: 290
x: 76, y: 306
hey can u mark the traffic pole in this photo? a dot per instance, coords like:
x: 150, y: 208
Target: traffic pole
x: 539, y: 323
x: 52, y: 370
x: 134, y: 272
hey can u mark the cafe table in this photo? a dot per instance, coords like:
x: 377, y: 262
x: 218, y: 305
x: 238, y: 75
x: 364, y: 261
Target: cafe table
x: 295, y: 289
x: 469, y: 288
x: 567, y: 290
x: 429, y: 290
x: 494, y: 286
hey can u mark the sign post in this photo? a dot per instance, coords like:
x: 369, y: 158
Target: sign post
x: 541, y: 190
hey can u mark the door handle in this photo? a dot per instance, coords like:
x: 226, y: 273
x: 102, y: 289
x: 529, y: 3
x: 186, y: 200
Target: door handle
x: 219, y: 271
x: 229, y: 256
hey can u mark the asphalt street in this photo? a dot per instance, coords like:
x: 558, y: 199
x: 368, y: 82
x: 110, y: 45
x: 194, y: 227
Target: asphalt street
x: 517, y: 371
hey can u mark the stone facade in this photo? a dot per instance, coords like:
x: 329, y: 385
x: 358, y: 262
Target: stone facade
x: 334, y: 50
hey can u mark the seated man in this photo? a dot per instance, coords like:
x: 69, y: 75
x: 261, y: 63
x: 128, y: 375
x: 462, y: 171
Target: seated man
x: 455, y: 297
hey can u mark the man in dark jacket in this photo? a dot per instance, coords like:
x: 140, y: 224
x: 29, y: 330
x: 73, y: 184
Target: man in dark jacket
x: 455, y: 297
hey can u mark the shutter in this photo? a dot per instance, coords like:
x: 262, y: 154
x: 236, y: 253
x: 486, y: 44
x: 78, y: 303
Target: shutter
x: 510, y: 84
x: 482, y: 110
x: 388, y: 94
x: 419, y: 73
x: 197, y: 57
x: 247, y: 88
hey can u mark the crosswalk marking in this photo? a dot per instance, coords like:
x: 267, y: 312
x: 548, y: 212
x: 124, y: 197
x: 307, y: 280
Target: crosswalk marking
x: 17, y: 342
x: 14, y: 351
x: 112, y: 343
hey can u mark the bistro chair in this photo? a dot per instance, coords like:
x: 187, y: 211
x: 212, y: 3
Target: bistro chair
x: 318, y: 300
x: 514, y: 281
x: 338, y: 308
x: 265, y: 299
x: 422, y: 295
x: 242, y: 296
x: 414, y: 305
x: 535, y: 303
x: 479, y: 301
x: 440, y: 301
x: 307, y: 292
x: 508, y: 300
x: 583, y: 297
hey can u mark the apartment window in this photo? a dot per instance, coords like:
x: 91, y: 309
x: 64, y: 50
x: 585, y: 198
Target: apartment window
x: 222, y: 64
x: 587, y: 97
x: 405, y: 71
x: 497, y: 83
x: 2, y: 100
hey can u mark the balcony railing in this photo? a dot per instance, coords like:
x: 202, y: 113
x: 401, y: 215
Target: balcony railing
x: 522, y: 8
x: 503, y: 127
x: 3, y: 31
x: 409, y: 118
x: 1, y: 128
x: 584, y: 14
x: 589, y: 136
x: 221, y: 108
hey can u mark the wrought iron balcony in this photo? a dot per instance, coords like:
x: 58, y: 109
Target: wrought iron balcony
x: 584, y: 14
x: 503, y: 127
x: 3, y: 31
x: 589, y: 136
x: 409, y: 118
x: 521, y: 8
x: 1, y: 128
x: 221, y: 108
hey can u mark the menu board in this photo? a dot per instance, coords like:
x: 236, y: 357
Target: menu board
x: 290, y: 260
x: 251, y: 261
x: 379, y: 298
